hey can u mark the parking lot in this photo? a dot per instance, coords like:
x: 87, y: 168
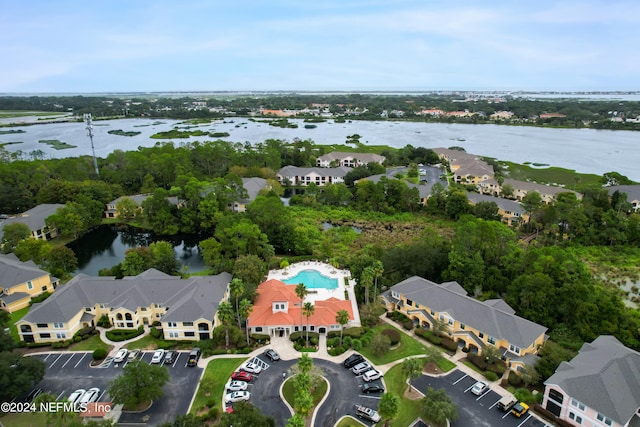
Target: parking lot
x: 69, y: 371
x: 480, y: 411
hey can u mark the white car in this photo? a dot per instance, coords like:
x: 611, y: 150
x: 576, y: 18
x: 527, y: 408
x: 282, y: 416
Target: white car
x: 237, y: 396
x: 479, y: 388
x: 371, y: 375
x: 73, y: 397
x: 252, y: 368
x: 90, y: 396
x: 133, y: 355
x: 121, y: 355
x: 361, y: 368
x: 236, y: 385
x: 158, y: 356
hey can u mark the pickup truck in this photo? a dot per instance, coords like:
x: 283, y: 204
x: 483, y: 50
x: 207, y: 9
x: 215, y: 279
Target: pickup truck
x: 507, y: 402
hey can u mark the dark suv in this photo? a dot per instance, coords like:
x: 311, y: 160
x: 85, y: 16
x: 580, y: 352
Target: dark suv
x: 353, y: 360
x: 194, y: 356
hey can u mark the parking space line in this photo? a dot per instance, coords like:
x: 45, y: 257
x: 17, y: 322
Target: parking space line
x: 460, y: 379
x: 68, y: 360
x: 176, y: 361
x: 60, y: 395
x: 83, y: 356
x: 507, y: 414
x: 100, y: 398
x: 370, y: 397
x: 527, y: 419
x: 47, y: 356
x: 491, y: 407
x: 54, y: 362
x: 483, y: 395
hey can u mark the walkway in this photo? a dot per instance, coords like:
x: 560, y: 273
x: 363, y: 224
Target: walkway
x: 117, y: 345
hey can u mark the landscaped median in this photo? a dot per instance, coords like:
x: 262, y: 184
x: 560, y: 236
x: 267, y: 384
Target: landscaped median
x: 212, y: 385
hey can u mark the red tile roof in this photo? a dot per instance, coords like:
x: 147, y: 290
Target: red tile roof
x: 276, y: 291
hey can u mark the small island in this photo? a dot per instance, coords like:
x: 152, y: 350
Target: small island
x: 121, y: 132
x: 57, y: 144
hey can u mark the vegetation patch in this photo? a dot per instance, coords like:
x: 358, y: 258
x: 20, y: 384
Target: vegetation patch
x: 568, y: 178
x: 124, y: 334
x: 121, y: 132
x: 12, y: 131
x: 2, y: 144
x: 57, y: 144
x: 408, y: 410
x: 408, y: 347
x: 176, y: 133
x: 219, y: 134
x: 216, y: 375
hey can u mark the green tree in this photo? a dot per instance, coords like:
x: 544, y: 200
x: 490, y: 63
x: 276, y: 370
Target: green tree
x: 226, y: 316
x: 36, y: 250
x: 138, y: 384
x: 377, y: 269
x: 19, y: 374
x: 366, y: 281
x: 380, y: 344
x: 491, y: 354
x: 244, y: 310
x: 296, y: 421
x: 13, y: 234
x: 250, y: 269
x: 301, y: 292
x: 531, y: 203
x: 127, y: 208
x: 388, y: 407
x: 245, y: 414
x: 136, y: 261
x: 308, y: 309
x: 529, y: 375
x: 163, y: 257
x: 342, y: 317
x: 411, y: 369
x: 438, y: 407
x: 61, y: 261
x: 236, y: 288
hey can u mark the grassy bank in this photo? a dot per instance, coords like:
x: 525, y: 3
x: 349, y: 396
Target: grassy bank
x: 408, y: 347
x: 216, y: 375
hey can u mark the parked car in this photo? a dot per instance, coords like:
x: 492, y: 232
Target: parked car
x: 353, y: 360
x: 170, y: 357
x: 507, y: 402
x: 372, y: 388
x: 361, y: 368
x: 367, y: 413
x: 90, y: 396
x: 76, y: 395
x: 479, y: 388
x: 237, y: 385
x: 519, y: 409
x: 121, y: 355
x: 372, y: 374
x: 194, y: 356
x: 157, y: 356
x: 242, y: 376
x: 133, y: 355
x: 237, y: 396
x: 272, y: 355
x: 251, y: 368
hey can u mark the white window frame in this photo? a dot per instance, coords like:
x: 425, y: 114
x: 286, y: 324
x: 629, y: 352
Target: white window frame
x: 58, y: 325
x: 29, y: 285
x: 61, y: 335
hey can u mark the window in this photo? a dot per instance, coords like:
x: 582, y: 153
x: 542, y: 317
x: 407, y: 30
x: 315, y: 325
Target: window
x: 45, y: 335
x: 189, y: 334
x: 44, y: 288
x: 607, y: 421
x: 432, y: 313
x: 577, y: 404
x: 462, y: 326
x: 172, y: 325
x: 514, y: 349
x: 129, y: 324
x: 556, y: 396
x: 143, y: 308
x: 87, y: 309
x: 61, y: 335
x: 58, y: 325
x: 173, y: 334
x: 29, y: 285
x: 481, y: 334
x: 42, y: 325
x: 491, y: 340
x: 442, y: 317
x: 258, y: 329
x: 576, y: 418
x: 450, y: 321
x: 409, y: 302
x: 395, y: 295
x: 187, y: 323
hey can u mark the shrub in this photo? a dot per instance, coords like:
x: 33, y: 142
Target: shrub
x: 355, y: 332
x: 260, y: 338
x: 524, y: 395
x: 104, y: 321
x: 156, y: 323
x: 303, y: 335
x: 61, y: 344
x: 124, y: 334
x: 380, y: 344
x: 77, y: 338
x: 449, y: 344
x: 356, y: 345
x: 514, y: 379
x: 213, y: 413
x: 398, y: 317
x: 491, y: 376
x: 408, y: 325
x: 43, y: 296
x: 498, y: 367
x: 211, y: 403
x: 477, y: 360
x: 99, y: 353
x: 155, y: 332
x: 393, y: 335
x: 347, y: 341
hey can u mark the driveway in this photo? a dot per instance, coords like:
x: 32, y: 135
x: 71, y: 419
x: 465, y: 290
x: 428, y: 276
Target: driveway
x: 474, y: 411
x: 69, y: 371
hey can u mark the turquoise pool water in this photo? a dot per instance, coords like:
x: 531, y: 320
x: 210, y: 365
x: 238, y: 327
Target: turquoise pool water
x: 312, y: 279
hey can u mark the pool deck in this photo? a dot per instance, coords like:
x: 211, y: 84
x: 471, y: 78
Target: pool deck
x: 323, y: 293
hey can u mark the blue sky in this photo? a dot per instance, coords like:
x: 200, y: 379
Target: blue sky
x: 352, y: 45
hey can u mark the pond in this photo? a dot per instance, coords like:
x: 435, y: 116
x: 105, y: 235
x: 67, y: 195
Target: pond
x: 105, y: 246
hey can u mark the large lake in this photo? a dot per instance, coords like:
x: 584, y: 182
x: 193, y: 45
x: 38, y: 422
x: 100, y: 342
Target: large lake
x: 584, y: 150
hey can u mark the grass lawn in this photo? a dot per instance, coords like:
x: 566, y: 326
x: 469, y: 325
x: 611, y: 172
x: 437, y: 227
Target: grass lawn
x: 407, y: 347
x: 288, y: 391
x: 552, y: 175
x: 90, y: 344
x: 408, y: 410
x: 13, y: 318
x: 445, y: 364
x: 472, y: 366
x: 216, y: 375
x: 349, y: 422
x: 37, y: 419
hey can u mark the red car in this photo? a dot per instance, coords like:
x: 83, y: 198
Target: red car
x: 241, y: 376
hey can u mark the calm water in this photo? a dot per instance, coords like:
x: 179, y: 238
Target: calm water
x: 584, y: 150
x: 105, y: 247
x: 312, y: 279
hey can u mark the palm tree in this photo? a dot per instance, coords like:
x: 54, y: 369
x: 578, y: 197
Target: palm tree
x: 411, y: 368
x: 301, y: 292
x: 244, y: 310
x: 377, y: 268
x: 236, y: 288
x: 388, y: 407
x: 438, y: 407
x: 308, y: 310
x: 342, y: 317
x: 225, y: 314
x: 366, y: 280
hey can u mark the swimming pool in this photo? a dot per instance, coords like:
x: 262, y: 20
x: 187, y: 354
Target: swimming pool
x: 312, y: 279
